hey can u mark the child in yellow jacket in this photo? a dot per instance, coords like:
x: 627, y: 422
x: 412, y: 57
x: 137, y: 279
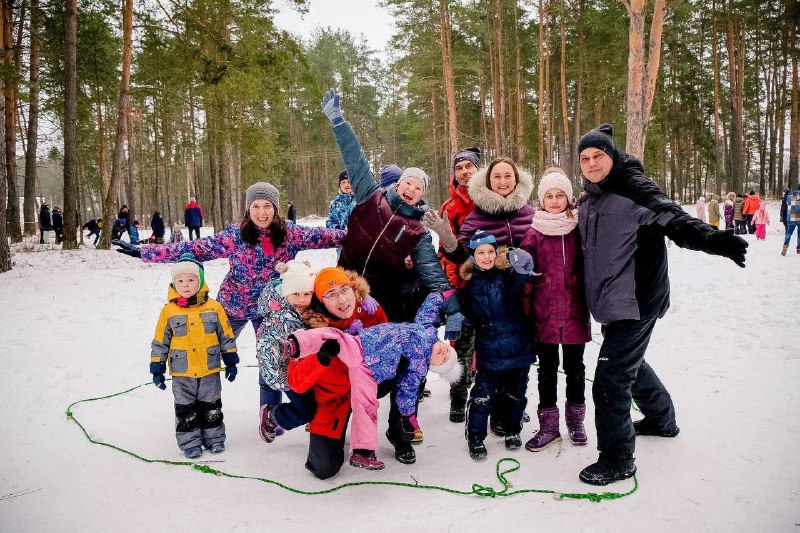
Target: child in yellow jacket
x: 192, y: 335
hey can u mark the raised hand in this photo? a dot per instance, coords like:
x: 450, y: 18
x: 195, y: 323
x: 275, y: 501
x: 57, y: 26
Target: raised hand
x: 332, y: 108
x: 441, y: 227
x: 521, y: 261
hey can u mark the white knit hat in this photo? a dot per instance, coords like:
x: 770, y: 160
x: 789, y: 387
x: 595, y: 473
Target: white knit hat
x: 451, y: 369
x: 296, y: 276
x: 555, y: 180
x: 414, y: 172
x: 187, y: 264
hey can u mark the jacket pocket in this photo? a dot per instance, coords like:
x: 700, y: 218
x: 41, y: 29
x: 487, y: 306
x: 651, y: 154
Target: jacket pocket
x: 210, y: 321
x: 178, y: 362
x: 213, y: 354
x: 178, y: 326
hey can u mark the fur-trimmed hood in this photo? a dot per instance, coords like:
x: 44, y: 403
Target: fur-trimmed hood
x: 491, y: 202
x: 501, y: 263
x: 316, y: 316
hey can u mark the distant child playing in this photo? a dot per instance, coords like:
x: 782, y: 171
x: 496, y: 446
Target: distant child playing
x: 761, y: 221
x: 192, y: 335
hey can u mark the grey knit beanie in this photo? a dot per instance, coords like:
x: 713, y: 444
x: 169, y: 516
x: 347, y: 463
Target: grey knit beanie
x: 263, y: 191
x: 471, y: 154
x: 414, y: 172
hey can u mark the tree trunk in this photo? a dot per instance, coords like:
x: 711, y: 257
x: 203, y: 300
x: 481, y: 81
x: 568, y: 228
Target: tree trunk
x: 719, y: 169
x: 794, y: 131
x: 576, y: 116
x: 642, y: 74
x: 70, y: 120
x: 736, y: 80
x: 29, y: 207
x: 110, y: 207
x: 496, y: 124
x: 565, y: 152
x: 10, y: 95
x: 501, y: 75
x: 133, y: 169
x: 520, y: 120
x: 448, y: 77
x: 542, y: 95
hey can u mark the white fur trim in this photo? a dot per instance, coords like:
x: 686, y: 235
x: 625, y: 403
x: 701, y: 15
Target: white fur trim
x: 493, y: 203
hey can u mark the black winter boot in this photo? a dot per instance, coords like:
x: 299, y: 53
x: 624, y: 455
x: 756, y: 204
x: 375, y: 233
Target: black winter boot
x: 457, y: 411
x: 645, y: 428
x: 403, y: 451
x: 476, y: 448
x: 602, y: 473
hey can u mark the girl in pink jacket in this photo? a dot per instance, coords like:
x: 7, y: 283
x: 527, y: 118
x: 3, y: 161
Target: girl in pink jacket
x: 761, y: 221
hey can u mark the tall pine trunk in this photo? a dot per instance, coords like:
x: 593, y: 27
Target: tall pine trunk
x: 70, y: 120
x: 29, y: 207
x: 448, y: 77
x: 10, y: 95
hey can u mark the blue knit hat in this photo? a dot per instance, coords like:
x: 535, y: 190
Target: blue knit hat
x: 481, y: 237
x: 390, y: 174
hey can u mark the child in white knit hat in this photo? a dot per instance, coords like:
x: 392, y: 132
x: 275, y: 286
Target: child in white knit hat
x: 555, y: 305
x: 281, y: 306
x: 193, y: 335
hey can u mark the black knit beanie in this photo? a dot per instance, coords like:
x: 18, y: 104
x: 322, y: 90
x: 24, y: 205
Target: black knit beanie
x: 601, y: 137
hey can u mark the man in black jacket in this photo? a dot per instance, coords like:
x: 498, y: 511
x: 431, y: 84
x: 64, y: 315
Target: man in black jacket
x: 623, y: 220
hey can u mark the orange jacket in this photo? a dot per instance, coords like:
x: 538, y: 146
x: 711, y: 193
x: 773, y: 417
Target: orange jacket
x: 751, y: 204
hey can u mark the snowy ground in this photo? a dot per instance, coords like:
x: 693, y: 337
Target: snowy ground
x: 78, y: 325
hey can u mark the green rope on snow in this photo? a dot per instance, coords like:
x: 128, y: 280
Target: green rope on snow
x: 477, y: 489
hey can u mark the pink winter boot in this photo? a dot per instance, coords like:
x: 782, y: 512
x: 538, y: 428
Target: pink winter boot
x: 574, y: 414
x: 548, y: 430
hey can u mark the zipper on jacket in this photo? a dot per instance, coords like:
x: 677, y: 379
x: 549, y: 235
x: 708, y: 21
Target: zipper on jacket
x: 377, y: 240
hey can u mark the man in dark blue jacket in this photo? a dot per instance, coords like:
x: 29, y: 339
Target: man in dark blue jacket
x: 623, y: 220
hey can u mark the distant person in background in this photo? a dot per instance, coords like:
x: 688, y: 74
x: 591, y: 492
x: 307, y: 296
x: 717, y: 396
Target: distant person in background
x: 740, y: 226
x: 786, y: 199
x: 124, y: 218
x: 729, y: 198
x: 58, y: 224
x: 342, y: 204
x: 45, y: 222
x: 193, y: 217
x: 176, y: 236
x: 157, y: 225
x: 292, y: 212
x: 713, y: 211
x: 700, y: 209
x: 761, y: 221
x: 133, y: 232
x: 751, y: 203
x: 94, y: 226
x: 792, y: 220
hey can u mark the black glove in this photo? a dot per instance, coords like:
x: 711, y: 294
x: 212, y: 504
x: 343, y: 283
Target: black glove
x: 231, y: 359
x: 127, y: 248
x: 158, y: 369
x: 726, y: 244
x: 328, y: 350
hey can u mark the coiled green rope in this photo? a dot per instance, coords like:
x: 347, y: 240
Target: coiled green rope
x: 504, y: 466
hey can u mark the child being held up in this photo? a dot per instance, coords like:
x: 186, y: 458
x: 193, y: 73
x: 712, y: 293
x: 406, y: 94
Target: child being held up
x: 192, y: 335
x: 503, y: 347
x: 373, y: 357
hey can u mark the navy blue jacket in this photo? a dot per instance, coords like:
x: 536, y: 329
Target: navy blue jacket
x: 157, y: 225
x: 492, y: 302
x: 193, y: 215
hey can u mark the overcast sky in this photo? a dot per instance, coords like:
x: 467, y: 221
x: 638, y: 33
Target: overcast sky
x: 357, y: 16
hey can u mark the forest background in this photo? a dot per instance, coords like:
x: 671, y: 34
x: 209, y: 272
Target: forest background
x: 149, y: 102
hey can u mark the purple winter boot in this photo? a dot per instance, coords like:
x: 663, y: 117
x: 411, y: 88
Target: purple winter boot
x: 268, y: 427
x: 366, y: 459
x: 548, y: 430
x: 574, y: 413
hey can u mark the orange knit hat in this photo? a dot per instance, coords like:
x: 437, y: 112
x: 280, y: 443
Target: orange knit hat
x: 329, y: 278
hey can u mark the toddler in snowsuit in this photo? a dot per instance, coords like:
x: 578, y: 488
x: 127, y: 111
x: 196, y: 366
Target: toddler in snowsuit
x: 192, y: 335
x: 373, y: 356
x: 503, y: 347
x: 761, y: 221
x: 133, y: 232
x: 556, y: 305
x: 176, y: 234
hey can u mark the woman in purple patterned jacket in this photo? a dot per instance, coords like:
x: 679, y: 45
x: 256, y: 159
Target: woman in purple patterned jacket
x: 253, y: 248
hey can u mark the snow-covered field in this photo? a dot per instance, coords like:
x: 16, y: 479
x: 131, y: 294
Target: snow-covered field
x: 78, y: 325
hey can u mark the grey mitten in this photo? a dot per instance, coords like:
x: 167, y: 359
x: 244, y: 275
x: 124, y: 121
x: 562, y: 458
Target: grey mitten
x: 441, y: 227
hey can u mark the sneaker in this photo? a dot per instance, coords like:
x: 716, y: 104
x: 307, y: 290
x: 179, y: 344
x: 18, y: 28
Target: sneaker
x: 418, y: 437
x: 367, y: 461
x: 783, y: 250
x: 217, y: 447
x: 267, y: 427
x: 477, y: 450
x: 601, y: 473
x: 496, y: 427
x: 403, y: 451
x: 513, y: 442
x: 193, y: 453
x: 643, y: 428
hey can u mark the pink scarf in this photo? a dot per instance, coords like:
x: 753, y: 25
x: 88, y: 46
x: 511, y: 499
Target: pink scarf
x: 554, y: 224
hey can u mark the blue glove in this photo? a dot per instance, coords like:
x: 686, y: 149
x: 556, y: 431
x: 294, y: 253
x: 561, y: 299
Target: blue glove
x: 231, y: 359
x: 127, y: 248
x: 452, y: 327
x: 370, y: 305
x: 332, y: 108
x: 521, y: 261
x: 158, y: 370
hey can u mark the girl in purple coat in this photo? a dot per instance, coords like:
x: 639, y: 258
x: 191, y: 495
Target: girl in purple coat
x: 556, y: 305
